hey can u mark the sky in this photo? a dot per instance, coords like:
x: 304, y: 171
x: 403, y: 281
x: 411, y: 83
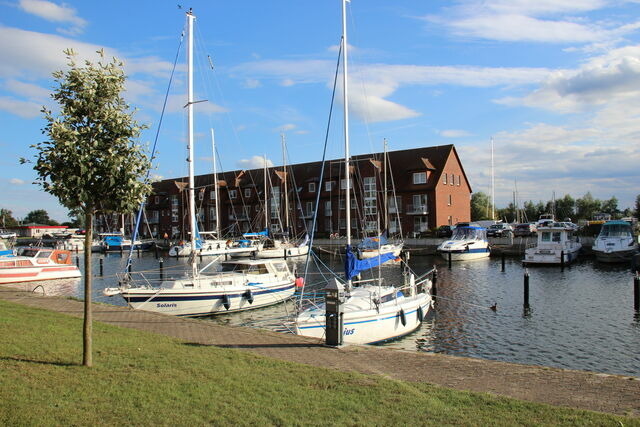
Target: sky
x: 554, y: 83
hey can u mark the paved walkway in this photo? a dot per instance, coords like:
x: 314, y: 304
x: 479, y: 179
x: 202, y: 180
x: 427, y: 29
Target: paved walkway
x: 577, y: 389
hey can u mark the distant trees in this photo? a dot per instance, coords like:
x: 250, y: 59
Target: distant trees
x: 7, y: 219
x: 39, y: 216
x: 480, y: 206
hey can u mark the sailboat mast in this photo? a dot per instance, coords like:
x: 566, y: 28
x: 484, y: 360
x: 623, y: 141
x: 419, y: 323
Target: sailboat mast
x: 192, y: 197
x: 284, y: 171
x: 266, y: 205
x: 347, y: 172
x: 493, y: 193
x: 384, y: 194
x: 215, y: 184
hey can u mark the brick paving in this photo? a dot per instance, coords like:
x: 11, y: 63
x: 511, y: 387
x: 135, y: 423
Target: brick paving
x: 561, y: 387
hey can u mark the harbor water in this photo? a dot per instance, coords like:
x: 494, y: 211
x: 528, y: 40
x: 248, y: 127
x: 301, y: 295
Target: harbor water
x: 580, y: 317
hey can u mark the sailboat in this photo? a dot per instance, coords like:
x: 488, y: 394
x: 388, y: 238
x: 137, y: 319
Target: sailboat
x: 235, y: 286
x: 371, y: 247
x: 373, y: 312
x: 283, y: 248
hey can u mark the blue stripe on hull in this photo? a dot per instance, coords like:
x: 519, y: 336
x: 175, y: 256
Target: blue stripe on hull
x: 202, y: 296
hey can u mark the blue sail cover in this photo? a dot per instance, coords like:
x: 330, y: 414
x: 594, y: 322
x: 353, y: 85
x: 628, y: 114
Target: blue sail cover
x: 264, y: 232
x: 353, y: 266
x: 373, y: 242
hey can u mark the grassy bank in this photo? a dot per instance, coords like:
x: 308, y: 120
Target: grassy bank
x: 142, y: 378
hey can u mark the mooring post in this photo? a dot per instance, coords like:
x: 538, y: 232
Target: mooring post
x: 129, y: 266
x: 156, y: 251
x: 502, y: 261
x: 562, y: 259
x: 526, y: 288
x: 636, y: 292
x: 434, y: 283
x: 138, y: 252
x: 101, y: 266
x: 77, y: 261
x: 449, y: 260
x: 161, y: 266
x: 200, y: 256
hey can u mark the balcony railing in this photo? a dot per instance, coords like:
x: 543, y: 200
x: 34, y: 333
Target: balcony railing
x: 417, y: 209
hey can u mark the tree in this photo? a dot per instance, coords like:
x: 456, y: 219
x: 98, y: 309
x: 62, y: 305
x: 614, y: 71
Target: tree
x: 565, y: 207
x: 480, y: 206
x: 39, y: 216
x: 637, y: 210
x: 611, y: 207
x: 91, y: 161
x: 7, y: 219
x: 587, y: 206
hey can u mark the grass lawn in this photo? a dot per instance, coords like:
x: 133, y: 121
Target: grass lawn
x: 143, y: 378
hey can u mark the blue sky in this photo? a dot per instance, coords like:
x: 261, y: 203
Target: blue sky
x: 556, y: 83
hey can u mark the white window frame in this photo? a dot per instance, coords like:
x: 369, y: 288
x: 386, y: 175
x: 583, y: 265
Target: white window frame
x: 247, y: 192
x: 328, y: 185
x: 312, y: 187
x: 444, y: 178
x: 233, y: 194
x: 419, y: 178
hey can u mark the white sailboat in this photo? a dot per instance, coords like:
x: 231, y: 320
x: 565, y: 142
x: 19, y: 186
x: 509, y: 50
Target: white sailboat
x: 283, y: 248
x: 235, y: 286
x: 373, y: 312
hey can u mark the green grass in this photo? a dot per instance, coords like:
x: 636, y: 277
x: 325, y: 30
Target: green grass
x: 143, y: 378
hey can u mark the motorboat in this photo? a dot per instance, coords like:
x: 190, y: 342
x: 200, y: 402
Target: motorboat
x: 371, y: 247
x: 31, y: 264
x: 283, y: 249
x: 468, y: 242
x: 615, y: 242
x: 556, y: 245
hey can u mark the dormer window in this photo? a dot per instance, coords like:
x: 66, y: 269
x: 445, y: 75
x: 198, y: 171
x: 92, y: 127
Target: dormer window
x: 420, y: 178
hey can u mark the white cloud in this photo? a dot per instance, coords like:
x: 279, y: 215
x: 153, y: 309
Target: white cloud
x: 545, y: 21
x: 24, y: 109
x: 287, y: 127
x: 255, y: 162
x: 28, y: 90
x: 252, y: 83
x: 16, y: 181
x: 55, y: 13
x: 454, y: 133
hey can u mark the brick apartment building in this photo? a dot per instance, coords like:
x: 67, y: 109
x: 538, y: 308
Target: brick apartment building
x: 426, y: 188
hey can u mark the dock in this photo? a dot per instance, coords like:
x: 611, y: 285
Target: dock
x: 607, y: 393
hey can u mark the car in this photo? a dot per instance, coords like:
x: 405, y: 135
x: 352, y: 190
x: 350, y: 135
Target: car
x: 524, y: 230
x: 570, y: 226
x: 444, y: 231
x: 499, y: 230
x: 6, y: 234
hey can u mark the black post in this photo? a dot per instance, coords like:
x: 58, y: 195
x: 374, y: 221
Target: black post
x: 526, y: 288
x: 156, y: 251
x: 101, y: 266
x: 636, y: 293
x: 161, y: 266
x: 138, y: 252
x: 121, y: 250
x: 449, y: 260
x: 200, y: 257
x: 285, y: 253
x: 502, y: 261
x: 562, y: 259
x: 77, y: 261
x: 129, y: 267
x: 434, y: 283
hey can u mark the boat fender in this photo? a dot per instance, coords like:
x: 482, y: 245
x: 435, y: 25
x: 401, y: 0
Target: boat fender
x: 226, y: 302
x: 403, y: 318
x: 289, y: 252
x: 299, y: 282
x: 420, y: 314
x: 249, y: 296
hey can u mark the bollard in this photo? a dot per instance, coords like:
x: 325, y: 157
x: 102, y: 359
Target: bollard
x: 155, y: 249
x: 434, y: 282
x: 101, y: 266
x: 562, y: 259
x: 77, y: 261
x: 449, y: 260
x: 636, y: 293
x: 161, y: 266
x: 138, y: 252
x: 526, y: 288
x: 502, y: 261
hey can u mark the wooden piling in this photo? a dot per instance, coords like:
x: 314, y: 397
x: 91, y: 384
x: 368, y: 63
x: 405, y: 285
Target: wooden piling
x: 449, y: 260
x: 636, y: 292
x: 562, y: 259
x: 101, y: 266
x: 502, y: 261
x: 526, y: 288
x: 434, y: 283
x: 161, y: 261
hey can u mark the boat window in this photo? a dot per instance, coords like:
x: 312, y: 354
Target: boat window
x: 257, y: 269
x: 281, y: 266
x: 556, y: 236
x: 545, y: 237
x: 61, y: 257
x: 28, y: 252
x: 615, y: 231
x: 44, y: 254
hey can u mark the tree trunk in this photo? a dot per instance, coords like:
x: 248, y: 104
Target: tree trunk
x: 86, y: 330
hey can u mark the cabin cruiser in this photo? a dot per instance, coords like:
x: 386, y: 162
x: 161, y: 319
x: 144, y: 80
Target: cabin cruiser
x: 556, y: 245
x: 33, y: 264
x: 467, y: 242
x: 615, y: 243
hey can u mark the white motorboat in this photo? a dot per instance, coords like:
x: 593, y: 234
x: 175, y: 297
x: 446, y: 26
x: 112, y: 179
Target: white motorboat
x: 237, y: 286
x: 556, y: 245
x: 371, y: 247
x: 372, y: 310
x: 283, y: 249
x: 615, y: 243
x: 33, y: 264
x: 468, y: 242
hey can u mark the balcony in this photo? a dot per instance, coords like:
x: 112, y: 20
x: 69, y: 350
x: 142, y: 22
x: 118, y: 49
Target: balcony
x: 417, y: 210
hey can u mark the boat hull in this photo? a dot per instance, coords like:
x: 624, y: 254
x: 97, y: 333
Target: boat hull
x: 179, y: 302
x: 282, y: 253
x: 613, y: 256
x: 36, y: 273
x: 369, y: 326
x: 372, y: 253
x: 551, y: 257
